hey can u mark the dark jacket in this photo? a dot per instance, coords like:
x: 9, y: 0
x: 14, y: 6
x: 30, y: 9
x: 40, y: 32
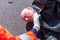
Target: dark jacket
x: 50, y: 11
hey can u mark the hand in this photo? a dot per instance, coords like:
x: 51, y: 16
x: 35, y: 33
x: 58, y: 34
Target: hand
x: 27, y: 14
x: 36, y: 21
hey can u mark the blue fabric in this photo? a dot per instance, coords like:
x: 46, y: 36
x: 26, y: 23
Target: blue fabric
x: 24, y: 37
x: 35, y: 32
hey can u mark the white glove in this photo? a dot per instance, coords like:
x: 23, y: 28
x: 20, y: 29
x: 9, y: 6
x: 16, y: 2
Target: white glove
x: 36, y: 19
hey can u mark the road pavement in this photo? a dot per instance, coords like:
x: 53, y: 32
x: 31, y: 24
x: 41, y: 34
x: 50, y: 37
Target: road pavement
x: 10, y: 15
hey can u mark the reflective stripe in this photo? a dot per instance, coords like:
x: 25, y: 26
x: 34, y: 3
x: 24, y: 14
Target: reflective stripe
x: 24, y: 37
x: 38, y: 9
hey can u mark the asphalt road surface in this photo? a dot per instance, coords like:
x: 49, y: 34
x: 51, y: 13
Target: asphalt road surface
x: 10, y: 15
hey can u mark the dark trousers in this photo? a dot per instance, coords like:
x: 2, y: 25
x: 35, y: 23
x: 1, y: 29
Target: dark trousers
x: 44, y: 34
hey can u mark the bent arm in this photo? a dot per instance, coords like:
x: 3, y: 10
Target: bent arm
x: 6, y: 35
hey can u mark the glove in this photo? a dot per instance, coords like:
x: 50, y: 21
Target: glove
x: 36, y: 19
x: 27, y: 14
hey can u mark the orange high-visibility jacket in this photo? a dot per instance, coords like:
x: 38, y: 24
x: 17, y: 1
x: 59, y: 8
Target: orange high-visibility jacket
x: 5, y: 35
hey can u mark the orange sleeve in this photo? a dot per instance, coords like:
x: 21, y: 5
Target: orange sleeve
x: 5, y: 35
x: 31, y: 35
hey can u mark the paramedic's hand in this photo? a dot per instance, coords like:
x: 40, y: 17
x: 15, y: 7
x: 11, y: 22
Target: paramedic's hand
x: 27, y: 14
x: 36, y: 21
